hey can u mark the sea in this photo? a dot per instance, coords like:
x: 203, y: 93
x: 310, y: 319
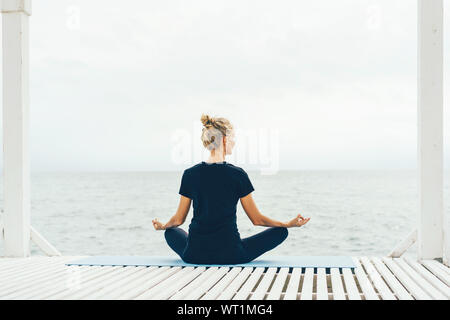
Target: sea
x: 356, y: 213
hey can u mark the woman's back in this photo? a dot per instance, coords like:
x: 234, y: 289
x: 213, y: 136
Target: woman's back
x: 215, y: 189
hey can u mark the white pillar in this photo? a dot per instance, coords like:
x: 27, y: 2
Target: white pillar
x: 430, y: 129
x: 16, y: 171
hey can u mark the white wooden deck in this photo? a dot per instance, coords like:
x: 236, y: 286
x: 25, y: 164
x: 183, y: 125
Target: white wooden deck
x: 374, y: 278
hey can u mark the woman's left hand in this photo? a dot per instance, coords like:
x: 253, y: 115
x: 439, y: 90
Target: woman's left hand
x: 298, y: 221
x: 158, y: 225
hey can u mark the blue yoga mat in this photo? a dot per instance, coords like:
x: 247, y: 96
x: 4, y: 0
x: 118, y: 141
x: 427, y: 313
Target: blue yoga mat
x: 269, y: 261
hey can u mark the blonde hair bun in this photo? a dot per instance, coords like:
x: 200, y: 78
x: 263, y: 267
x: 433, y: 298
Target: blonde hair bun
x: 214, y: 128
x: 207, y: 120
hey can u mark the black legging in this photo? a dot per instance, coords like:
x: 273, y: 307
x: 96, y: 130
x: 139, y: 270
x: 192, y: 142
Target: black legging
x: 254, y: 246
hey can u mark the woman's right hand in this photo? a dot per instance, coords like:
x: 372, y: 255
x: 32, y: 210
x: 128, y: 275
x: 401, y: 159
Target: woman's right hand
x: 158, y: 225
x: 297, y: 221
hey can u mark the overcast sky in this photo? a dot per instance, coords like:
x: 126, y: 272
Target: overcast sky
x: 120, y: 85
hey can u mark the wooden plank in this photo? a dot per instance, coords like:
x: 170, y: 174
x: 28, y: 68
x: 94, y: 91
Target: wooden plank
x: 440, y: 265
x: 24, y: 284
x: 293, y: 285
x: 306, y: 292
x: 75, y: 280
x: 136, y: 291
x: 350, y: 285
x: 41, y: 290
x: 322, y: 288
x: 7, y: 263
x: 28, y: 283
x: 437, y: 271
x: 29, y: 269
x: 129, y: 273
x: 336, y: 284
x: 14, y: 277
x: 277, y: 287
x: 171, y: 285
x: 380, y: 285
x: 181, y: 283
x: 194, y: 285
x: 264, y: 285
x: 364, y: 282
x: 248, y: 286
x: 219, y: 287
x: 23, y: 292
x: 72, y: 277
x: 20, y: 270
x: 231, y: 290
x: 145, y: 276
x: 168, y: 282
x: 47, y: 287
x: 205, y: 286
x: 391, y: 280
x: 95, y: 286
x: 17, y: 264
x: 101, y: 275
x: 406, y: 281
x: 421, y: 281
x: 30, y: 274
x: 431, y: 278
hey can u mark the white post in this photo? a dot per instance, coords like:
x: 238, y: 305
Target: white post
x: 430, y: 129
x: 16, y: 171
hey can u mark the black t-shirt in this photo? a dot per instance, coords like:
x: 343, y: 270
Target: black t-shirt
x: 215, y: 189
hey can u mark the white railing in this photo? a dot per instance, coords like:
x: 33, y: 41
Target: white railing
x: 401, y: 248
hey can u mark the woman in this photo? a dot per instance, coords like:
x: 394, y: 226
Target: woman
x: 215, y: 187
